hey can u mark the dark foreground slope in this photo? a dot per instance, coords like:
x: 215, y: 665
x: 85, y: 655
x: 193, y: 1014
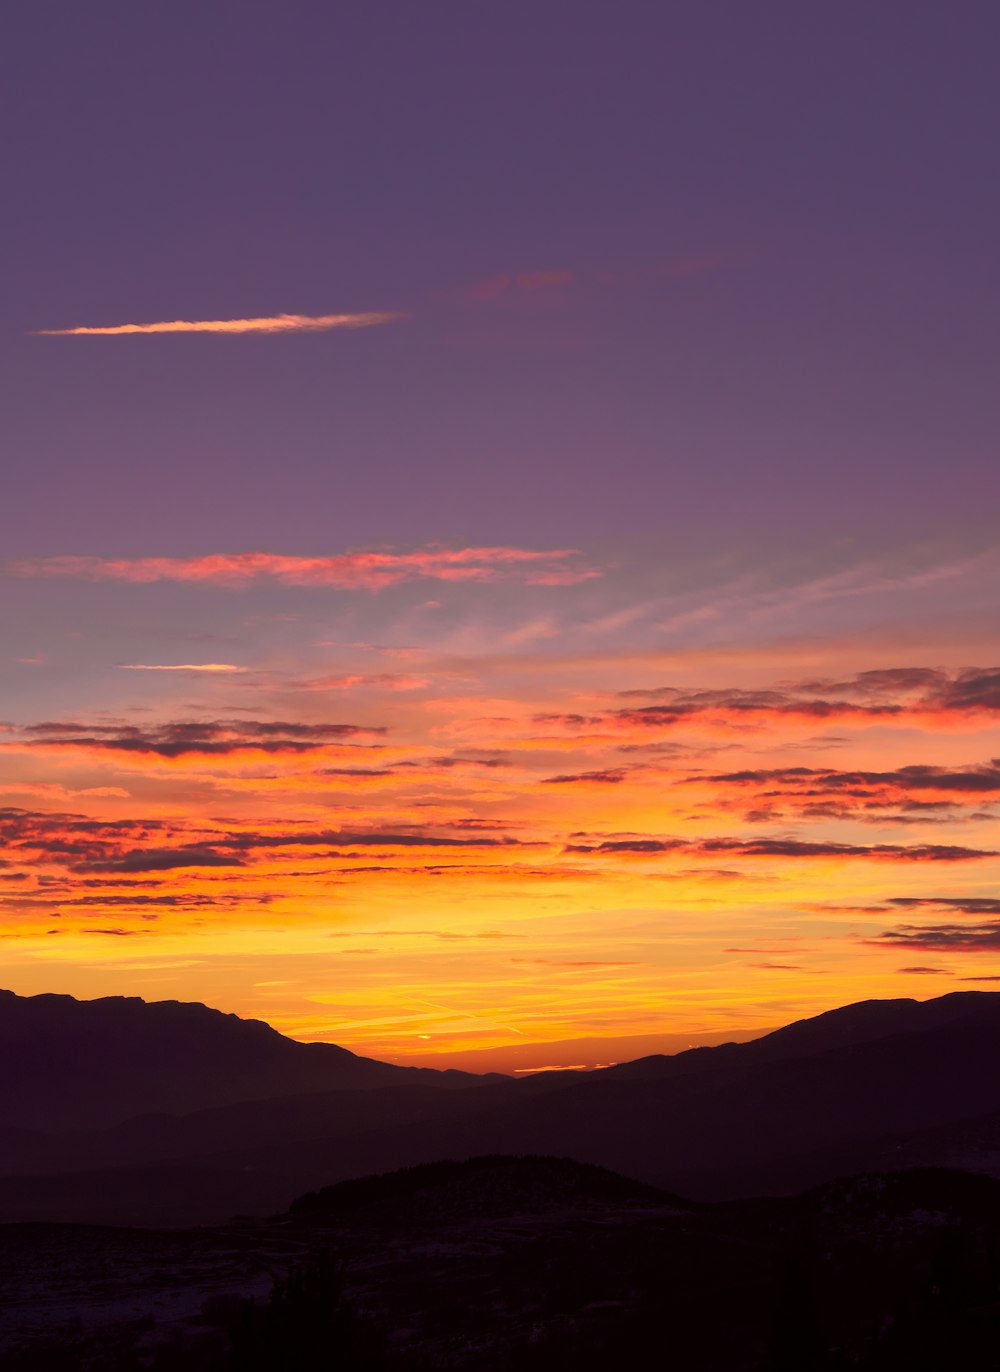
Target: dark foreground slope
x: 504, y: 1263
x: 871, y: 1086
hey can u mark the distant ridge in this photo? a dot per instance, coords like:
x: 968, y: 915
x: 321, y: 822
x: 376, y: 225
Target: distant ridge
x: 247, y: 1119
x: 71, y: 1064
x: 861, y: 1022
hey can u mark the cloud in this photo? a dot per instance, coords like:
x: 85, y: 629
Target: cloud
x: 114, y: 933
x: 981, y: 936
x: 180, y: 901
x: 608, y: 777
x: 927, y: 971
x: 641, y: 846
x: 162, y: 860
x: 941, y: 938
x: 511, y: 286
x: 963, y: 905
x: 786, y: 848
x: 347, y: 571
x: 909, y: 795
x: 371, y: 681
x: 275, y: 323
x: 983, y: 779
x: 451, y: 761
x: 504, y: 285
x: 85, y: 848
x: 495, y: 871
x: 180, y: 667
x: 891, y: 852
x: 870, y: 696
x: 355, y: 772
x: 346, y: 838
x: 212, y: 738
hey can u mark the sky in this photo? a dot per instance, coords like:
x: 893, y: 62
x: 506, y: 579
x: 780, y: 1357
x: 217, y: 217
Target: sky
x: 498, y: 556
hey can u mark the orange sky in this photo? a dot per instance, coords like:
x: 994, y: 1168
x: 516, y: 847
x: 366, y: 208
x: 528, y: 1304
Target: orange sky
x: 549, y: 823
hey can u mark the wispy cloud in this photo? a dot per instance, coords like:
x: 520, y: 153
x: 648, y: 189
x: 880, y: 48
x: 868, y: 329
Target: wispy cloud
x: 180, y: 667
x: 941, y: 938
x: 360, y: 570
x: 509, y: 286
x: 372, y: 681
x: 504, y: 285
x: 275, y: 323
x: 782, y: 848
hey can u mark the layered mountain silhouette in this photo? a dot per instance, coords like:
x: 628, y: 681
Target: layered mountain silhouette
x: 66, y: 1063
x: 120, y: 1111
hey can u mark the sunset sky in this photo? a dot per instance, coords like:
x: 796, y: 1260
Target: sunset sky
x: 499, y: 523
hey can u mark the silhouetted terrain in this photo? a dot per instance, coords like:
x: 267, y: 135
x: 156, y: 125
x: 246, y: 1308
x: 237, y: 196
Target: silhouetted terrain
x: 503, y: 1263
x: 870, y: 1086
x: 68, y: 1064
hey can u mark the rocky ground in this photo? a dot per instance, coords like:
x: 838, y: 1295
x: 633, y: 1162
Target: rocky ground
x: 504, y: 1263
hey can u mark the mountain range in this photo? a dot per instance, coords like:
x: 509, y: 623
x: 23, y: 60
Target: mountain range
x: 119, y: 1111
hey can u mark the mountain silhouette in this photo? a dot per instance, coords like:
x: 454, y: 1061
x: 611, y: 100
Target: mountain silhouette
x: 862, y: 1022
x: 865, y: 1086
x: 66, y: 1063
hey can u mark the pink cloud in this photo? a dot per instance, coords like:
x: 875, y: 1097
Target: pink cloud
x: 379, y: 681
x: 494, y: 287
x: 562, y: 576
x: 361, y: 570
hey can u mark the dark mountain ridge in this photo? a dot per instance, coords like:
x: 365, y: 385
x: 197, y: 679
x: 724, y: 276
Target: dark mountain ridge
x: 846, y: 1090
x: 70, y: 1064
x: 861, y: 1022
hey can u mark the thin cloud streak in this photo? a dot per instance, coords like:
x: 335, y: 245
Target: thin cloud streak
x: 346, y: 571
x: 275, y: 323
x: 180, y: 667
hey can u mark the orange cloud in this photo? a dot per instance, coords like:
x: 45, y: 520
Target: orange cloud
x: 275, y: 323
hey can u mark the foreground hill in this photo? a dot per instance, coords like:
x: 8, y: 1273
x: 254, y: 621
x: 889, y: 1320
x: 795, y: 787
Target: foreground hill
x: 868, y: 1086
x: 502, y: 1263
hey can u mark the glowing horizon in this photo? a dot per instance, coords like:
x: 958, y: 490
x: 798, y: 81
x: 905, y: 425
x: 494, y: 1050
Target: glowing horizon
x: 523, y: 836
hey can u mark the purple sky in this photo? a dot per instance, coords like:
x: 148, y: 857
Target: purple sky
x: 780, y: 221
